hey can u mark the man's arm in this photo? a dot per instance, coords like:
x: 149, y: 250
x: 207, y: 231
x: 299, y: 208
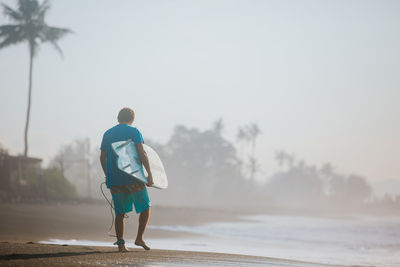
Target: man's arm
x: 145, y: 162
x: 103, y: 161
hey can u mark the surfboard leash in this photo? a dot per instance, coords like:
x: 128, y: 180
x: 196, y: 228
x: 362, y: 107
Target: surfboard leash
x: 111, y: 210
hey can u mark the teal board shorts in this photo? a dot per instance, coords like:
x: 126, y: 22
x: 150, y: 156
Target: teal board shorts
x: 123, y: 202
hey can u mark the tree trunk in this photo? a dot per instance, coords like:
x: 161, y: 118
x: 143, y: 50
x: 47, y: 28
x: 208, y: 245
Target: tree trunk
x: 31, y: 53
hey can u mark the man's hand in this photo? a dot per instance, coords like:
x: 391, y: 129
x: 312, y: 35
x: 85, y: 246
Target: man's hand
x: 150, y: 180
x: 145, y: 162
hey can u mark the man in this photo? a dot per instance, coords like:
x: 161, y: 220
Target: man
x: 125, y: 190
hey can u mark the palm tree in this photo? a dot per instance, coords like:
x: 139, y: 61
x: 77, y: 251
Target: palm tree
x: 29, y: 26
x: 219, y: 126
x: 254, y: 167
x: 253, y: 131
x: 241, y: 138
x: 327, y: 170
x: 280, y: 156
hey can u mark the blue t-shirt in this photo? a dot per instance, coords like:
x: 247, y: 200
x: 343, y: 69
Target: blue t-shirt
x: 120, y: 132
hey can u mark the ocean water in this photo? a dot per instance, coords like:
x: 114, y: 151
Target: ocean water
x: 361, y: 240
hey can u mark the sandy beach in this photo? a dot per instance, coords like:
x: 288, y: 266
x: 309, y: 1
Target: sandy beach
x: 71, y: 234
x: 38, y: 222
x: 24, y: 225
x: 32, y: 254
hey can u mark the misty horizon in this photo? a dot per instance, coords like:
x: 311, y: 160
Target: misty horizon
x: 320, y: 79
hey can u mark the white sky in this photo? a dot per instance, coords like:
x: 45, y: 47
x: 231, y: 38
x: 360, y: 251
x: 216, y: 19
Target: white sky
x: 321, y: 78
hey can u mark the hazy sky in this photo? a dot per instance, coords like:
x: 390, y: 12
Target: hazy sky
x: 321, y: 78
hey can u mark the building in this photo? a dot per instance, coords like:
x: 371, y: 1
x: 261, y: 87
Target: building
x: 12, y: 170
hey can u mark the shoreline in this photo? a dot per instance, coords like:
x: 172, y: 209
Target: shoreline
x: 198, y: 230
x: 34, y: 223
x: 29, y: 254
x: 24, y: 225
x: 91, y: 221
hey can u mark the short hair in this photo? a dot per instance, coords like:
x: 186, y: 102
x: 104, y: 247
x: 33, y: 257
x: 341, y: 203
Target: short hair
x: 126, y: 115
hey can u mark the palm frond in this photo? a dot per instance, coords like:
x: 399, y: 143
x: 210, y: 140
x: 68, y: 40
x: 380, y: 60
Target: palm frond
x: 55, y: 45
x: 43, y: 8
x: 49, y: 33
x: 52, y: 35
x: 11, y: 13
x: 8, y: 29
x: 11, y: 34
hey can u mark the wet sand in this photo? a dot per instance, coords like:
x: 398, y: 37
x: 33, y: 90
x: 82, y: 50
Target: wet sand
x: 32, y: 254
x: 22, y: 226
x: 39, y: 222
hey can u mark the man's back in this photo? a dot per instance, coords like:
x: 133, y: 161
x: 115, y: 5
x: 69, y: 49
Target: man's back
x: 120, y: 132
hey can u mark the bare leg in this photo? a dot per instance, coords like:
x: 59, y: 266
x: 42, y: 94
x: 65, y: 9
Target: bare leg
x: 119, y: 230
x: 143, y: 220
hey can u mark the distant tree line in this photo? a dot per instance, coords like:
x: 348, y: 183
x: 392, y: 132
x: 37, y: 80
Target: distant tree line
x: 206, y: 169
x: 298, y: 184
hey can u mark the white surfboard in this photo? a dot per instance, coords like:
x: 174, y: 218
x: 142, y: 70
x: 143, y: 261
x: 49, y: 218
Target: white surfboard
x: 128, y: 161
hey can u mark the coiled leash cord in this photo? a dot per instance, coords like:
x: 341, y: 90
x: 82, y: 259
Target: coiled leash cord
x: 111, y: 210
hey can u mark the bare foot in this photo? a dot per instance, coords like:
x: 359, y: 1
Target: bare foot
x: 122, y: 248
x: 142, y: 244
